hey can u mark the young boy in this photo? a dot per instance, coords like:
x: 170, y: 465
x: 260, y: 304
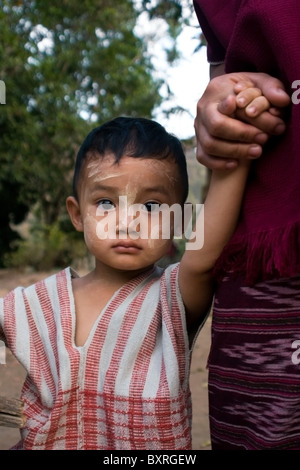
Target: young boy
x: 108, y: 354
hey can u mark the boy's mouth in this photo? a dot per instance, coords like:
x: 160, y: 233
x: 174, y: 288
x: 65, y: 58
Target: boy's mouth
x: 128, y: 246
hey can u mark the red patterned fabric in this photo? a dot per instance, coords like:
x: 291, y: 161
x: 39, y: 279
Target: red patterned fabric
x: 126, y: 388
x: 254, y: 365
x: 263, y: 36
x: 254, y: 381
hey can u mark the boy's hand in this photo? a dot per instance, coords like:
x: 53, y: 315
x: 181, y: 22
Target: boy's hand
x: 236, y: 116
x: 251, y: 100
x: 255, y: 108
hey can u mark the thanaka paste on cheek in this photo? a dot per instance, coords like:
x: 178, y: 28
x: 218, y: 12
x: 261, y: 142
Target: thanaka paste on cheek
x: 90, y: 227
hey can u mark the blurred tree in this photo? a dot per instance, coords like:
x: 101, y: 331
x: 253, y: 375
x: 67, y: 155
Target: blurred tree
x: 68, y: 65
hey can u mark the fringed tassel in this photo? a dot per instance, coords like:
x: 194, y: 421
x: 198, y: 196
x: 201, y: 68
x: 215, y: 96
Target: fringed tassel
x: 261, y: 256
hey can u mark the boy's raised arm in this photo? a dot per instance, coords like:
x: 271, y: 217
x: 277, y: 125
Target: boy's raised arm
x: 221, y: 211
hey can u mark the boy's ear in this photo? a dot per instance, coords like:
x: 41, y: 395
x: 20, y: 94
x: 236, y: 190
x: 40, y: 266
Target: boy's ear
x: 74, y: 213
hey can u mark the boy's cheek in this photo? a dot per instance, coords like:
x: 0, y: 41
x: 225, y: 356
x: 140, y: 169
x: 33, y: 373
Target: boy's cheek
x: 95, y: 225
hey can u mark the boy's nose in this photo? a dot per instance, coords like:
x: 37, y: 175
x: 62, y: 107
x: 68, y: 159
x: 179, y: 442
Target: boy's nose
x: 125, y: 217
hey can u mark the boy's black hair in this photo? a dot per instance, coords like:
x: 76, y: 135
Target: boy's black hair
x: 133, y: 137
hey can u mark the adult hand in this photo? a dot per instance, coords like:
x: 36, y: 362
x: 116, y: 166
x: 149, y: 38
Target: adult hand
x: 228, y: 130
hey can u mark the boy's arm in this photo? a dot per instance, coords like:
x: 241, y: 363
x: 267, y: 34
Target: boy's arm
x: 221, y: 211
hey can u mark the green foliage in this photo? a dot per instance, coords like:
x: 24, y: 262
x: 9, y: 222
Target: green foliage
x: 48, y: 246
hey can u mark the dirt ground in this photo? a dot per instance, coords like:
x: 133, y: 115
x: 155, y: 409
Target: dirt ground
x: 12, y: 374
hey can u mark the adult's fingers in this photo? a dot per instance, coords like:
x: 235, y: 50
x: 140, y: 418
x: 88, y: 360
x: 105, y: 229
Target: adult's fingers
x: 216, y: 163
x: 221, y: 126
x: 220, y: 154
x: 267, y: 122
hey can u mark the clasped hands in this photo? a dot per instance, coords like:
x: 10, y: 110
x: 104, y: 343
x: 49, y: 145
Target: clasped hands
x: 236, y: 115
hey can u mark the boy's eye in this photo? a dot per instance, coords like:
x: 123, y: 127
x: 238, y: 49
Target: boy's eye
x: 151, y: 206
x: 105, y: 205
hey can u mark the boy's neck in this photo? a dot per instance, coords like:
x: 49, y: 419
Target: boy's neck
x: 114, y: 277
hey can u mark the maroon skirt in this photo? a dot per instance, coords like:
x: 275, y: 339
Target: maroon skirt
x: 254, y: 366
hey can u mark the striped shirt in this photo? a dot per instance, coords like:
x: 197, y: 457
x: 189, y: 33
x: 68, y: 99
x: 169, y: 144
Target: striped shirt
x: 126, y: 388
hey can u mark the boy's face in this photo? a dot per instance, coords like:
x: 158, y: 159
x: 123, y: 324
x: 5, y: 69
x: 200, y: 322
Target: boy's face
x: 123, y: 210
